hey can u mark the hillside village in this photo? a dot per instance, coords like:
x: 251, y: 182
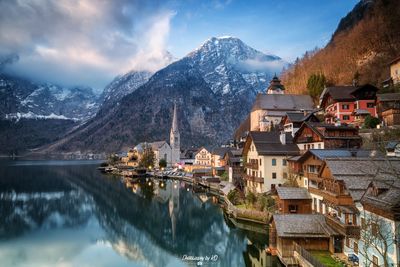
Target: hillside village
x: 307, y: 168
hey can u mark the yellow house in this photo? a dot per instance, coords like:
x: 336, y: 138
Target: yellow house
x: 395, y: 70
x: 265, y: 155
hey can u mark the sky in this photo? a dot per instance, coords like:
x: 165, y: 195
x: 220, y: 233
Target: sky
x: 89, y: 42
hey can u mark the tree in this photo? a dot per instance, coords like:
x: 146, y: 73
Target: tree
x: 315, y: 85
x: 224, y: 176
x: 112, y: 159
x: 148, y: 157
x: 251, y: 198
x: 162, y: 163
x: 371, y: 122
x: 376, y: 235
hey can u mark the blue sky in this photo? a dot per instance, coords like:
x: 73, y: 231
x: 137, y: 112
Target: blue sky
x: 89, y: 42
x: 286, y: 28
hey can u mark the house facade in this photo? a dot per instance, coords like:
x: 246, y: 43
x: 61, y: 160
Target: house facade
x: 203, y: 157
x: 313, y: 135
x: 292, y: 121
x: 266, y: 155
x: 389, y: 108
x: 293, y: 200
x: 344, y: 103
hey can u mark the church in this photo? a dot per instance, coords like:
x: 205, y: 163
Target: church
x: 271, y: 107
x: 162, y: 150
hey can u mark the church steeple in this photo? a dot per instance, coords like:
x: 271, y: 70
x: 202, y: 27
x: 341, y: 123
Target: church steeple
x: 175, y: 138
x: 275, y: 86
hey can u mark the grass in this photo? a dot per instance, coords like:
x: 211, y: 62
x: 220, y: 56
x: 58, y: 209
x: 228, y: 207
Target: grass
x: 325, y: 258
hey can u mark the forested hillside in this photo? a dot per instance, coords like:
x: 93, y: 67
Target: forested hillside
x: 366, y: 40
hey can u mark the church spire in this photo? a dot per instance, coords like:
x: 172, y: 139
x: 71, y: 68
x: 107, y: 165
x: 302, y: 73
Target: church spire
x: 175, y: 120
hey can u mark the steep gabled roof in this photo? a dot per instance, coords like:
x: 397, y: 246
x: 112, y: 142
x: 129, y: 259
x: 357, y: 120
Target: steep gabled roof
x: 342, y: 93
x: 322, y: 128
x: 302, y: 225
x: 157, y: 145
x: 293, y: 193
x: 268, y: 143
x: 323, y: 154
x: 220, y: 151
x: 388, y: 97
x: 283, y: 102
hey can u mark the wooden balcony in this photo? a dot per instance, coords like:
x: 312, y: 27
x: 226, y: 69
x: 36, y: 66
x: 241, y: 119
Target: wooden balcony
x: 251, y: 165
x: 313, y: 176
x: 332, y: 198
x: 306, y: 139
x: 254, y: 179
x: 344, y: 229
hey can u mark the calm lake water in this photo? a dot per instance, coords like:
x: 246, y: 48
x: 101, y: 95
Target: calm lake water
x: 66, y: 213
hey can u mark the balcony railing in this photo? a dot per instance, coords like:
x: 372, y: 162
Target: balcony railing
x: 251, y: 165
x: 306, y: 139
x: 254, y: 179
x: 344, y: 229
x: 335, y: 199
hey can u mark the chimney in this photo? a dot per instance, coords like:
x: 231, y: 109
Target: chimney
x: 282, y: 138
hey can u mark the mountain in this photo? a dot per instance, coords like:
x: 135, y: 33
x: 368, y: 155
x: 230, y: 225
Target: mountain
x: 33, y: 114
x: 123, y: 85
x: 214, y: 87
x: 21, y: 98
x: 363, y: 44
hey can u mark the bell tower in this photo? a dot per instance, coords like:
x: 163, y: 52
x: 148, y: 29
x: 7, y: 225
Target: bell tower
x: 175, y: 139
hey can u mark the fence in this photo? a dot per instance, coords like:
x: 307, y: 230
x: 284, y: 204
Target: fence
x: 307, y: 255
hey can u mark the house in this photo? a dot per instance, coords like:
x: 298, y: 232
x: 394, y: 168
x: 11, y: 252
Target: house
x: 389, y: 108
x: 292, y: 121
x: 394, y: 73
x: 289, y: 232
x: 234, y: 166
x: 203, y: 157
x: 269, y: 108
x: 131, y: 159
x: 339, y: 187
x: 339, y: 102
x: 218, y: 162
x: 314, y: 135
x: 393, y: 149
x: 380, y: 224
x: 293, y: 200
x: 266, y: 156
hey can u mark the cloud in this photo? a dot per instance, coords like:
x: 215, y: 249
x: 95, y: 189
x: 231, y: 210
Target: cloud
x: 260, y: 64
x: 83, y: 42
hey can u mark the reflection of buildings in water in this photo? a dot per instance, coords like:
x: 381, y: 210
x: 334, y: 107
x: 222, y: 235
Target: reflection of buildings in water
x: 257, y: 257
x: 173, y: 206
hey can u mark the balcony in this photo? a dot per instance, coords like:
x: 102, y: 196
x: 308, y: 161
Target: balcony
x: 254, y: 179
x: 306, y: 139
x: 344, y: 229
x: 251, y: 165
x: 330, y: 197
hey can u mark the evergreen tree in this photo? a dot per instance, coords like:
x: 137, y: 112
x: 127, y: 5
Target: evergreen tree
x: 315, y: 85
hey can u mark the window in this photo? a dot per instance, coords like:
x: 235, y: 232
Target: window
x: 284, y: 175
x: 260, y: 162
x: 284, y: 163
x: 305, y: 147
x: 370, y: 105
x: 273, y: 162
x: 293, y: 208
x: 305, y: 182
x: 319, y: 146
x: 374, y: 229
x: 260, y: 174
x: 274, y: 175
x: 346, y: 117
x: 345, y: 106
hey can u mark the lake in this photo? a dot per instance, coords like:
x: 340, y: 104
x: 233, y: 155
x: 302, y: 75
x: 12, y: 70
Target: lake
x: 67, y: 213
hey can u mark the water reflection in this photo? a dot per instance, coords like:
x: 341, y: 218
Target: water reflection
x: 76, y: 216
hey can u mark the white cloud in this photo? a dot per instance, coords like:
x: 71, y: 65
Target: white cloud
x: 83, y: 41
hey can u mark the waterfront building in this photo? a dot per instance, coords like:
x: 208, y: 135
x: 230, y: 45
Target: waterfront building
x: 314, y: 135
x: 344, y: 103
x: 175, y: 139
x: 234, y: 165
x: 203, y: 157
x: 218, y: 162
x: 290, y: 233
x: 266, y: 155
x: 293, y: 200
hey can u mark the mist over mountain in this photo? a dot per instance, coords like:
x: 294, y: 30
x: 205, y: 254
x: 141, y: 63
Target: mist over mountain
x: 214, y: 87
